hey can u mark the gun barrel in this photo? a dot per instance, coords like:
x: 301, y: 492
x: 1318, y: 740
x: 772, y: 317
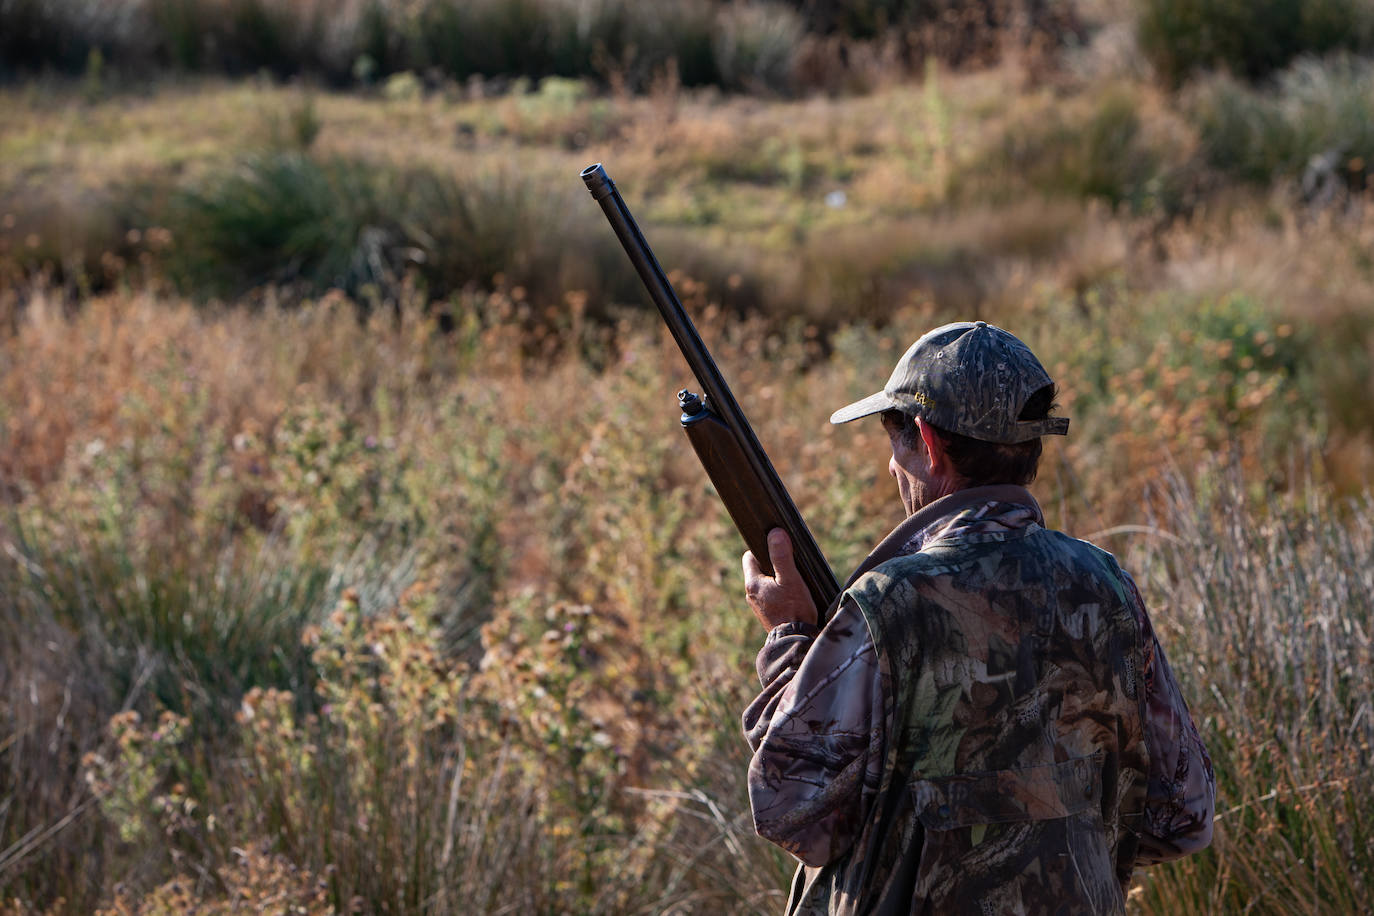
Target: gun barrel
x: 766, y: 486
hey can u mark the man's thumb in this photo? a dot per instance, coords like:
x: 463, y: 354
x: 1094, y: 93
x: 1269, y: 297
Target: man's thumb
x: 780, y: 553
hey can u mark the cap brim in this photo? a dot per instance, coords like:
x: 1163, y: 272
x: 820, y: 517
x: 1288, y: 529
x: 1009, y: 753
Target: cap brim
x: 874, y: 403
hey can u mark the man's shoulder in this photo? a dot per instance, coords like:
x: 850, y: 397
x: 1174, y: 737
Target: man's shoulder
x: 904, y: 576
x: 911, y: 567
x: 1070, y: 546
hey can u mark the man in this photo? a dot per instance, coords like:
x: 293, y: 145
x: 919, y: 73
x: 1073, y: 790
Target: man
x: 986, y: 723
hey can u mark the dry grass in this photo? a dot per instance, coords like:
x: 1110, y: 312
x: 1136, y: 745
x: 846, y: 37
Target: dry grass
x: 441, y: 572
x: 534, y: 498
x: 1268, y: 622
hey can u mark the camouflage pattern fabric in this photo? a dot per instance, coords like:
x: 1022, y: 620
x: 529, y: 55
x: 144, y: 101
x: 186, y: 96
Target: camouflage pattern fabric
x: 986, y: 725
x: 969, y: 378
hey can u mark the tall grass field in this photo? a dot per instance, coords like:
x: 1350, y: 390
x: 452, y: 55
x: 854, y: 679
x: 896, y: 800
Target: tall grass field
x: 351, y: 560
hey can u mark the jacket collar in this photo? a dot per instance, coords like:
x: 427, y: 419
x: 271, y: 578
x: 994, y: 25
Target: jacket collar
x: 897, y: 543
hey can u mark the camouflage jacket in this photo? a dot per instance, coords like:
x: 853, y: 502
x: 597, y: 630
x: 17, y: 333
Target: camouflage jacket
x: 986, y: 724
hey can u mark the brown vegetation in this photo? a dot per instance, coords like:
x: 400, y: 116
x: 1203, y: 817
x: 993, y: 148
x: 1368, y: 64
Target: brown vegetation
x: 406, y: 597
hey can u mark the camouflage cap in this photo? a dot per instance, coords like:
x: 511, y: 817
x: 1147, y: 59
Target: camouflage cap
x: 969, y: 378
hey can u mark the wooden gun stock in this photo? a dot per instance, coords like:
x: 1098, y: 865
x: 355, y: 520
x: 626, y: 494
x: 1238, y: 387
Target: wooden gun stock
x: 720, y: 434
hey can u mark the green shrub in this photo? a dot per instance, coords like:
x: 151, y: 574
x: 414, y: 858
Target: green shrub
x: 520, y: 37
x: 1242, y: 134
x: 1316, y: 123
x: 326, y: 40
x: 292, y: 220
x: 755, y: 46
x: 240, y: 36
x: 37, y: 35
x: 1249, y: 38
x: 307, y: 225
x: 861, y: 19
x: 490, y: 37
x: 193, y: 631
x: 1102, y: 151
x: 676, y: 33
x: 957, y: 31
x: 260, y: 37
x: 31, y: 36
x: 617, y: 40
x: 704, y: 42
x: 874, y: 18
x: 184, y: 28
x: 284, y: 218
x: 1113, y: 162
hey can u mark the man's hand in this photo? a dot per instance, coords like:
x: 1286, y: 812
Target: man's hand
x: 782, y: 597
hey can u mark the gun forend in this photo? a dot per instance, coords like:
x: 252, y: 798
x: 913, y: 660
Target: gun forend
x: 727, y: 466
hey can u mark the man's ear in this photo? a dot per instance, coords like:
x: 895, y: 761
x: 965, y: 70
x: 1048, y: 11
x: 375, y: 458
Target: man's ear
x: 940, y: 465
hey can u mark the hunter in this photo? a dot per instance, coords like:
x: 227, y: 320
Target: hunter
x: 986, y: 723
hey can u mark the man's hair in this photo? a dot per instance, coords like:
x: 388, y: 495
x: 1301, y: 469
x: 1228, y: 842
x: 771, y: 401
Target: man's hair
x: 981, y: 463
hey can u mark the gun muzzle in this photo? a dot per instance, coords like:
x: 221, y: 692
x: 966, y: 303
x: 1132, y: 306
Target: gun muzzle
x: 598, y: 182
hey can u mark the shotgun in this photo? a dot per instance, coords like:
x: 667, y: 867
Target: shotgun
x: 720, y: 434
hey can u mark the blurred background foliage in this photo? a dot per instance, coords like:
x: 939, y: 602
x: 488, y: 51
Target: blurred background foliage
x: 739, y: 46
x: 349, y: 557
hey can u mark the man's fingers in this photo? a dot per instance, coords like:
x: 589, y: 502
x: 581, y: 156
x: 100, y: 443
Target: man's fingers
x: 780, y: 555
x: 782, y: 596
x: 752, y: 570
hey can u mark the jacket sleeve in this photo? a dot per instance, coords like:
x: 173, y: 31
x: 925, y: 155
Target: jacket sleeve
x: 816, y: 731
x: 1181, y: 797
